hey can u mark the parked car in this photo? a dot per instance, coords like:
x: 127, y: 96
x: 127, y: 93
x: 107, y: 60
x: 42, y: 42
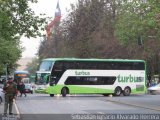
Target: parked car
x: 28, y: 88
x: 2, y: 80
x: 154, y: 89
x: 1, y: 95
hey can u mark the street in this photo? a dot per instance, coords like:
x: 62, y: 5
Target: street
x: 89, y: 104
x: 42, y: 106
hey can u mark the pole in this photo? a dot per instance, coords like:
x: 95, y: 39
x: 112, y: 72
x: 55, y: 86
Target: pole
x: 6, y: 72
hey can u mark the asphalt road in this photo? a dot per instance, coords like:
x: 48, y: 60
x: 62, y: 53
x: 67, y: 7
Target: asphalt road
x: 44, y: 107
x: 41, y: 106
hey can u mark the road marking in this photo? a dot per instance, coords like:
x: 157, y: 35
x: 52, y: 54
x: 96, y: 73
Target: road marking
x: 17, y: 110
x: 100, y: 112
x: 134, y: 105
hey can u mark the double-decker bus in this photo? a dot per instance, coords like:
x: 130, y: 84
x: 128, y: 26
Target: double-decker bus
x: 43, y: 73
x: 19, y: 75
x: 97, y: 76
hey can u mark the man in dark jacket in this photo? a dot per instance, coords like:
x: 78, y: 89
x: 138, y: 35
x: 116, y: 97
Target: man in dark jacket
x: 22, y: 89
x: 10, y: 90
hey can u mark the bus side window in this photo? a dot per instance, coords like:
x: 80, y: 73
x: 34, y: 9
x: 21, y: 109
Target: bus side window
x: 94, y: 65
x: 138, y: 66
x: 100, y: 65
x: 76, y: 65
x: 57, y: 66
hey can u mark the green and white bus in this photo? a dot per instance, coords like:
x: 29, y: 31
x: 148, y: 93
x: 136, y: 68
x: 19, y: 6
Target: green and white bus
x: 43, y: 73
x: 97, y: 76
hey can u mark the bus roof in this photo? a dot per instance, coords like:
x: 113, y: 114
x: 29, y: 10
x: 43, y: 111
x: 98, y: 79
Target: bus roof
x: 92, y: 59
x: 21, y: 71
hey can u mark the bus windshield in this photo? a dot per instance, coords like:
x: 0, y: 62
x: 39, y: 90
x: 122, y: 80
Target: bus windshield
x: 20, y: 75
x: 46, y: 65
x: 43, y: 73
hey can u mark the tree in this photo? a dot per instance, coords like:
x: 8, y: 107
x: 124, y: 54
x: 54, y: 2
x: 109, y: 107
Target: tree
x: 139, y: 20
x: 126, y: 29
x: 88, y: 31
x: 16, y: 19
x: 33, y: 66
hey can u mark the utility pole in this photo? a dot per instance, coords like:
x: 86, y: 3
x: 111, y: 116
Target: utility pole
x: 6, y: 71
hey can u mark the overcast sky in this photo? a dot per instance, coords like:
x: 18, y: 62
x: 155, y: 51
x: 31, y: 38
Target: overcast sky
x: 48, y: 7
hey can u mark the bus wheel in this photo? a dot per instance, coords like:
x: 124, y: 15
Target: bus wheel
x: 105, y: 94
x: 126, y: 91
x: 51, y: 95
x: 64, y: 92
x: 118, y: 91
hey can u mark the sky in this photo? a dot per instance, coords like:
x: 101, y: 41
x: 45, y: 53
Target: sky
x: 48, y: 7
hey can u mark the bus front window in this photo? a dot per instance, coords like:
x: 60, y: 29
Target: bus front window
x: 42, y: 78
x: 46, y: 66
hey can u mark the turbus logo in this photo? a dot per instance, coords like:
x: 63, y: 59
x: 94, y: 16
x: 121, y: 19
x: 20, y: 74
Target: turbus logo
x: 129, y: 78
x: 82, y: 73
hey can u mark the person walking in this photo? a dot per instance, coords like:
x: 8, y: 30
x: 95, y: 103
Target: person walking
x: 10, y: 90
x: 22, y: 89
x: 18, y: 89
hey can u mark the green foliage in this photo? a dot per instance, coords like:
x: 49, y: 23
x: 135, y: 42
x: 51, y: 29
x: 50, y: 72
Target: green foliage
x: 136, y: 19
x: 141, y: 19
x: 16, y: 19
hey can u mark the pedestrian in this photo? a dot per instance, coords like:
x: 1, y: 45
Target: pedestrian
x: 22, y: 89
x: 18, y: 88
x: 10, y: 90
x: 149, y: 80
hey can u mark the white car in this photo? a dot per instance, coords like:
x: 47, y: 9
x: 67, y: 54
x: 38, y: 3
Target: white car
x: 1, y: 95
x: 154, y: 89
x: 29, y: 88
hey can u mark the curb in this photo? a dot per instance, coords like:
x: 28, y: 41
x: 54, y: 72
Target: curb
x: 134, y: 105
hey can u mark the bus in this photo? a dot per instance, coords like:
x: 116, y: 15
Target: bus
x: 43, y: 73
x: 97, y: 76
x: 20, y: 75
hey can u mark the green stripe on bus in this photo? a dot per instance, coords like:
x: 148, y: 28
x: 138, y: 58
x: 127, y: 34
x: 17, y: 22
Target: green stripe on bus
x: 81, y: 89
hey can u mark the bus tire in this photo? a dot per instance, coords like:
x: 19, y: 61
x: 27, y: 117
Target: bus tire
x: 64, y: 92
x: 105, y: 94
x: 51, y: 95
x: 117, y: 91
x: 127, y: 91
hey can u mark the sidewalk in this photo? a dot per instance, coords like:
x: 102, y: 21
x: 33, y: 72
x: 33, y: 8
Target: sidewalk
x: 15, y: 115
